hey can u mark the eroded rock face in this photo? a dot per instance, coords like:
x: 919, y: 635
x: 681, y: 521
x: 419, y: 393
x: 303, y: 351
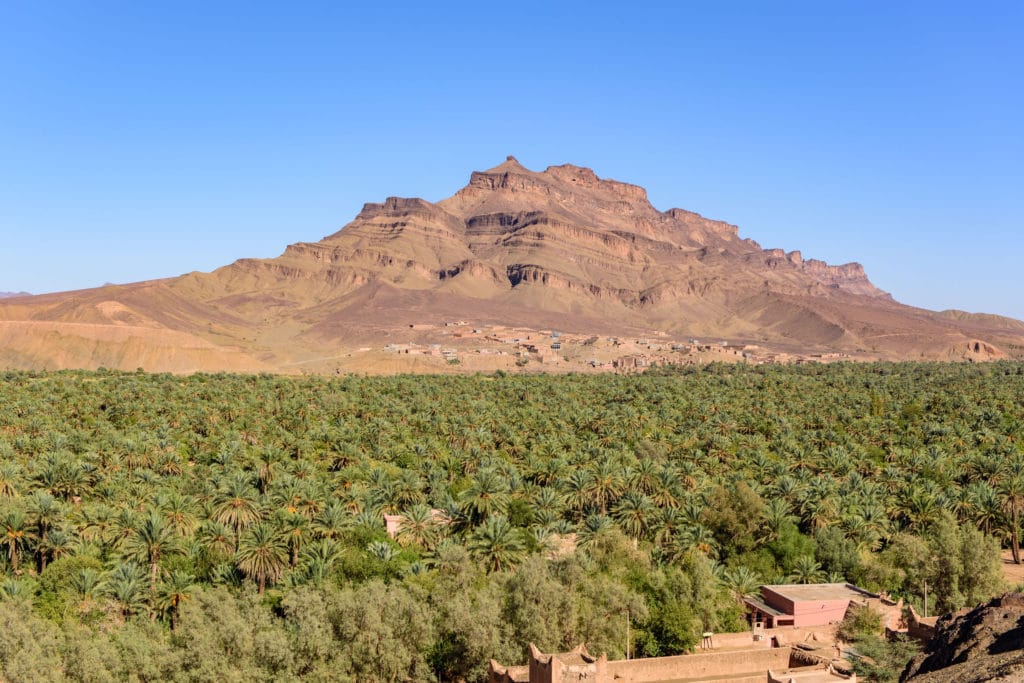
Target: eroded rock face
x: 563, y: 229
x: 982, y: 644
x: 525, y: 248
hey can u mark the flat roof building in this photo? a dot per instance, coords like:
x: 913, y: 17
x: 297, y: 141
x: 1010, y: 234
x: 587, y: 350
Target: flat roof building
x: 811, y: 604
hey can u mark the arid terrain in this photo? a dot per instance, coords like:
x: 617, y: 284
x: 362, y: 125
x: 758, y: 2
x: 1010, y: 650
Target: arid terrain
x: 520, y: 270
x: 981, y: 644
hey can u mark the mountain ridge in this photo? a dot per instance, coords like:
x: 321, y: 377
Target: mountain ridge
x: 558, y: 249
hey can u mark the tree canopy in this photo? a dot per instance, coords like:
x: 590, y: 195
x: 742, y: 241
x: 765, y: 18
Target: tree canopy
x: 221, y: 527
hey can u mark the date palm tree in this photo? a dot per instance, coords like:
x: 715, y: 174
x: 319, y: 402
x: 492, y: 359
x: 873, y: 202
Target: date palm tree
x: 417, y: 527
x: 15, y: 535
x: 151, y: 541
x: 643, y: 477
x: 487, y: 495
x: 59, y: 543
x: 45, y: 512
x: 179, y: 510
x: 126, y: 586
x: 806, y: 570
x: 592, y: 528
x: 497, y: 544
x: 216, y: 540
x: 262, y: 554
x: 235, y: 504
x: 382, y: 551
x: 605, y: 483
x: 176, y: 589
x: 986, y: 506
x: 332, y: 521
x: 1011, y: 493
x: 269, y: 460
x: 319, y: 558
x: 634, y: 513
x: 296, y: 531
x: 575, y: 489
x: 667, y: 488
x: 87, y: 584
x: 741, y: 582
x: 10, y: 477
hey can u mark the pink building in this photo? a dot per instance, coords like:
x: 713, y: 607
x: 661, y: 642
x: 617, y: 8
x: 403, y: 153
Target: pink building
x: 812, y: 604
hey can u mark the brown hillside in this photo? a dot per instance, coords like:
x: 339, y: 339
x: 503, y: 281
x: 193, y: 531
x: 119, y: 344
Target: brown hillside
x: 559, y: 249
x: 982, y: 644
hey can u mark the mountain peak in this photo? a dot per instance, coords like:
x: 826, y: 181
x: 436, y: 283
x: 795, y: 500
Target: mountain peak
x: 510, y: 165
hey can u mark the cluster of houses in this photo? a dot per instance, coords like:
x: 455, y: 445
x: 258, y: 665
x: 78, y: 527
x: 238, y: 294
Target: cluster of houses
x: 791, y: 640
x: 612, y: 354
x: 418, y: 350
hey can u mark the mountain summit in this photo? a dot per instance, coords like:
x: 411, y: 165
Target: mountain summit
x: 557, y: 249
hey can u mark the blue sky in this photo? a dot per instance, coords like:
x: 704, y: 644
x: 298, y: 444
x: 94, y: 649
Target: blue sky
x: 142, y: 140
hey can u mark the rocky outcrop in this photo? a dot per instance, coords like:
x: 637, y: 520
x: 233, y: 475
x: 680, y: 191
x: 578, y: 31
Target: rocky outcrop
x: 982, y: 644
x: 849, y: 276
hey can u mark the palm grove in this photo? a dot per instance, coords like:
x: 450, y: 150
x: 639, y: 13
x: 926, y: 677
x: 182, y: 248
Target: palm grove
x: 227, y: 527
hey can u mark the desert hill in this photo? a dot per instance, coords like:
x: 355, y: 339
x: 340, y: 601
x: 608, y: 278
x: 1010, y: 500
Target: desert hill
x: 560, y: 249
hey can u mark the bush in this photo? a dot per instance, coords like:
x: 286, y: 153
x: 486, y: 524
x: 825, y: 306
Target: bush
x: 860, y: 622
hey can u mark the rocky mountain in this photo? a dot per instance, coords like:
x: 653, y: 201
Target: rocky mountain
x: 8, y: 295
x: 558, y: 249
x: 982, y: 644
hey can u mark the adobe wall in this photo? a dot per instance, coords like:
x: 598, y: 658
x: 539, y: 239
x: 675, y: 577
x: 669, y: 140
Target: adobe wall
x: 808, y: 613
x: 753, y: 663
x: 737, y: 640
x: 920, y: 628
x: 788, y: 635
x: 809, y: 675
x: 507, y: 674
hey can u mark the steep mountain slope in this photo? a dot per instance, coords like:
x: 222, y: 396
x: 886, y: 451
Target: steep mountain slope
x: 559, y: 249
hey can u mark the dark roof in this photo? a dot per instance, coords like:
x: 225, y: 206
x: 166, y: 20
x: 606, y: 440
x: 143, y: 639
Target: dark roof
x: 762, y: 607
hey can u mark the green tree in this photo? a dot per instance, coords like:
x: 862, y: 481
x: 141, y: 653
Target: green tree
x: 262, y: 555
x: 388, y: 633
x: 235, y: 505
x: 15, y: 535
x: 149, y: 543
x: 176, y: 589
x: 497, y: 544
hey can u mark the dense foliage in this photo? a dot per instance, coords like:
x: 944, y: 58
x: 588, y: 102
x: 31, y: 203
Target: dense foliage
x: 218, y: 527
x: 874, y: 657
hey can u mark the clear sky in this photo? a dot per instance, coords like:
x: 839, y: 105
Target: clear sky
x: 147, y: 139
